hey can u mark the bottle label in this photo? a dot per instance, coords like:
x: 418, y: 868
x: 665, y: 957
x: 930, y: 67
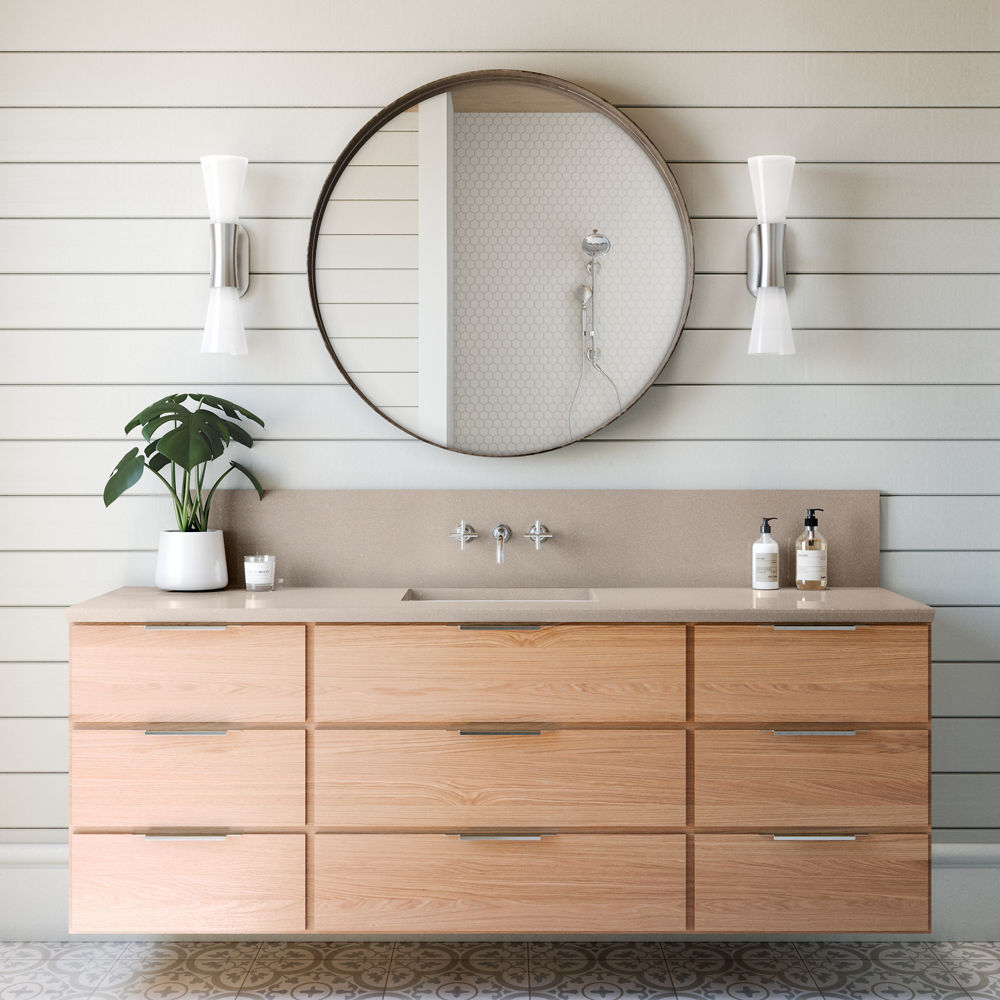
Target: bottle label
x: 810, y: 564
x: 765, y: 567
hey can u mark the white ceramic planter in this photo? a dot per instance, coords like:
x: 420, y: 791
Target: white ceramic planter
x: 191, y: 560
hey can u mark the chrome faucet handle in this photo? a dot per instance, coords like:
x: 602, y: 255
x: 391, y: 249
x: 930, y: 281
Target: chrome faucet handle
x: 538, y: 533
x: 463, y: 533
x: 501, y: 533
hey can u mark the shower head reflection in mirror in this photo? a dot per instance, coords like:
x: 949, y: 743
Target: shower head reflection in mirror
x: 595, y: 245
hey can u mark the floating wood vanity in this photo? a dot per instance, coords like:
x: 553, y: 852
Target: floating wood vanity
x: 738, y: 769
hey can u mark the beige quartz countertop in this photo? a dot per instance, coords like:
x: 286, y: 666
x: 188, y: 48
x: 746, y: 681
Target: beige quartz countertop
x: 846, y: 605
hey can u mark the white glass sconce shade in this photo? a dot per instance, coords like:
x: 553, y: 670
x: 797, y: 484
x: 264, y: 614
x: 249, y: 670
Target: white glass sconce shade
x: 771, y: 180
x: 230, y: 268
x: 224, y: 332
x: 224, y: 177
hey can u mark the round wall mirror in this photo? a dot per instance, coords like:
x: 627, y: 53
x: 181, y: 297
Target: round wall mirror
x: 500, y: 263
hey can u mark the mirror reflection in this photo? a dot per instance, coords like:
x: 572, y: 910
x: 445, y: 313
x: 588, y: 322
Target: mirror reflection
x: 501, y: 268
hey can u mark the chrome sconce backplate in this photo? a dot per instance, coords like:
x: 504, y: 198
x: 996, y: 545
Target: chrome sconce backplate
x: 230, y: 262
x: 766, y: 256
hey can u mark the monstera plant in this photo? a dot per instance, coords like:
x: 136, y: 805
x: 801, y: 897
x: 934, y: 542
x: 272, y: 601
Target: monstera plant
x: 181, y: 442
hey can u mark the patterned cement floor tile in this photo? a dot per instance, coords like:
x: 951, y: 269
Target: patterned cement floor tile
x: 67, y: 955
x: 458, y: 970
x: 864, y: 970
x: 196, y: 970
x: 318, y: 971
x: 598, y: 971
x: 55, y: 970
x: 976, y: 966
x: 739, y: 970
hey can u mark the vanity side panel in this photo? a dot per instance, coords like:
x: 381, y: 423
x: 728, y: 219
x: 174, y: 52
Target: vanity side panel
x: 239, y: 673
x: 435, y: 884
x: 764, y: 673
x: 441, y: 674
x: 566, y: 779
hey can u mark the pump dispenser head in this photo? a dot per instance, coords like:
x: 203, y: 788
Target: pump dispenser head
x: 811, y: 520
x: 765, y: 525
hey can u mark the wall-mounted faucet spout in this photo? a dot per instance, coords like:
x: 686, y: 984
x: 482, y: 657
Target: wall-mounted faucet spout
x: 502, y: 534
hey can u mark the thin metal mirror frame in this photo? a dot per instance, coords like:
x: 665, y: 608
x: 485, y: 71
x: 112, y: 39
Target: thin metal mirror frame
x: 476, y: 78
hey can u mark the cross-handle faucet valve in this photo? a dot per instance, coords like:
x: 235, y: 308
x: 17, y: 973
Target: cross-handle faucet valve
x: 538, y: 533
x: 463, y: 533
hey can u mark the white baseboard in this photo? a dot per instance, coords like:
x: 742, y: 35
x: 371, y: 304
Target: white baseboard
x: 34, y: 889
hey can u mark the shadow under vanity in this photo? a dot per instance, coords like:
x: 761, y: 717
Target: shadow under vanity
x: 676, y: 754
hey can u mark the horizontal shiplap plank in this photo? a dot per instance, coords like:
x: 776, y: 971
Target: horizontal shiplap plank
x: 50, y: 468
x: 944, y: 577
x: 317, y: 135
x: 877, y: 357
x: 941, y: 522
x: 665, y: 413
x: 34, y: 745
x: 28, y: 634
x: 287, y: 79
x: 282, y: 300
x: 296, y: 412
x: 300, y: 357
x: 966, y: 745
x: 290, y: 190
x: 862, y: 300
x: 349, y: 251
x: 71, y: 577
x: 966, y: 634
x: 34, y: 800
x: 885, y: 246
x: 377, y: 183
x: 381, y: 25
x: 966, y: 689
x: 966, y: 800
x: 901, y: 412
x: 34, y: 689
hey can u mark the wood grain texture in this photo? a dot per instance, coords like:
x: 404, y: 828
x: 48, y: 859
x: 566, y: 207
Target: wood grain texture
x: 759, y: 779
x: 428, y: 883
x: 126, y: 673
x: 250, y: 778
x: 749, y: 673
x: 618, y: 779
x: 439, y: 674
x: 121, y: 883
x: 747, y: 884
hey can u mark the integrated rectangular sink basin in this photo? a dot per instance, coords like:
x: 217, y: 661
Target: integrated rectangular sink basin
x: 509, y: 595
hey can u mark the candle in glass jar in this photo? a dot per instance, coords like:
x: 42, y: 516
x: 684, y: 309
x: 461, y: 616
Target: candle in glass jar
x: 259, y: 572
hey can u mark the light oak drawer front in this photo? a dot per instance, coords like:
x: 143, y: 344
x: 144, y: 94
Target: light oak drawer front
x: 745, y: 883
x: 125, y: 884
x: 229, y: 779
x: 873, y: 673
x: 133, y: 673
x: 440, y: 674
x: 430, y: 883
x: 788, y: 779
x: 446, y: 780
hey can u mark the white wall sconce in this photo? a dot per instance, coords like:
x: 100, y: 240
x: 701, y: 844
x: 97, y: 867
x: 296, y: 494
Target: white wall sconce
x: 771, y: 179
x: 230, y: 267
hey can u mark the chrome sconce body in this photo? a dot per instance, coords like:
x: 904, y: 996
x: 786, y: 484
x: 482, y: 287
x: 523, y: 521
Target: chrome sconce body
x: 229, y: 272
x: 771, y: 180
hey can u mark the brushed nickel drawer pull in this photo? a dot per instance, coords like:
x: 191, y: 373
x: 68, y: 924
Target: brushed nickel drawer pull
x: 814, y: 628
x: 499, y: 732
x: 499, y: 628
x: 186, y: 732
x: 854, y: 836
x: 813, y: 732
x: 186, y: 836
x: 492, y: 836
x: 185, y: 628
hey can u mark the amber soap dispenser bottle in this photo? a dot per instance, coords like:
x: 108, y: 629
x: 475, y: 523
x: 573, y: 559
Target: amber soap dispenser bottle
x: 810, y: 555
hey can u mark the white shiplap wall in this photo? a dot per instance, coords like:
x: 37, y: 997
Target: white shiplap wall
x: 891, y: 107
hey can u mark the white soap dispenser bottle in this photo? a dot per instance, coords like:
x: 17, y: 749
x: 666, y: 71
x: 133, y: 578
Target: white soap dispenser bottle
x: 764, y: 559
